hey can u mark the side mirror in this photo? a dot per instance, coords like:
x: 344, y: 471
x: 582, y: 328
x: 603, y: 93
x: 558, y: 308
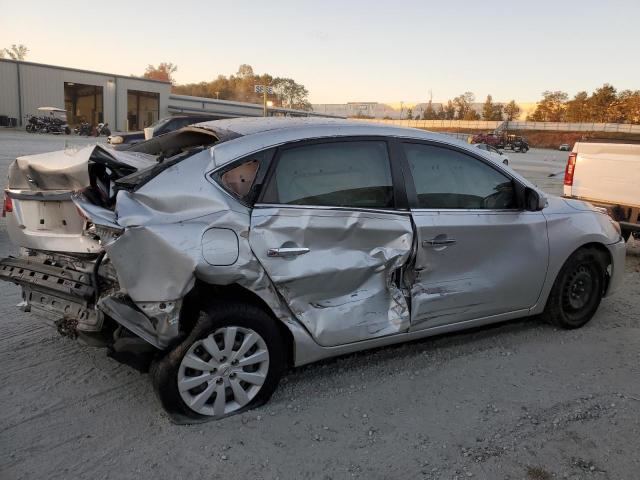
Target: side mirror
x: 534, y: 201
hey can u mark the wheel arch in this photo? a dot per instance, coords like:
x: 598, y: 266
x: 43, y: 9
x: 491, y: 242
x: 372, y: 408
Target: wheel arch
x: 204, y: 293
x: 553, y: 274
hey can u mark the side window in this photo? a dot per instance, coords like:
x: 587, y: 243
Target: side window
x: 239, y: 180
x: 446, y: 179
x: 342, y: 174
x: 242, y: 179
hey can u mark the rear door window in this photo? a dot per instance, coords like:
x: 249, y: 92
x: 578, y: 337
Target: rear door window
x: 340, y: 174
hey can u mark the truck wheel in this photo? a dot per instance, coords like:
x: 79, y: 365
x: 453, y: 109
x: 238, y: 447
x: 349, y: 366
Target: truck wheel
x: 232, y: 361
x: 577, y: 290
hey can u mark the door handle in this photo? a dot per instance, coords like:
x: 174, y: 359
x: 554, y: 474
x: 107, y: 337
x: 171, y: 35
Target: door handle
x: 287, y: 251
x: 439, y: 242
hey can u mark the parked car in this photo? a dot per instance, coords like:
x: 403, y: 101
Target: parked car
x: 499, y: 155
x: 235, y: 248
x: 565, y: 147
x: 162, y: 126
x: 607, y: 173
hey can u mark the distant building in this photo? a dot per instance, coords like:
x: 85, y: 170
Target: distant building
x: 126, y: 103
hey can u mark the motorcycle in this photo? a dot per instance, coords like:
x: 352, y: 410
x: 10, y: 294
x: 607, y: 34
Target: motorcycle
x: 33, y: 123
x: 83, y: 129
x: 56, y: 122
x: 103, y: 129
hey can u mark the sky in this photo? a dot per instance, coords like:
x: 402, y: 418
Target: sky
x: 347, y: 51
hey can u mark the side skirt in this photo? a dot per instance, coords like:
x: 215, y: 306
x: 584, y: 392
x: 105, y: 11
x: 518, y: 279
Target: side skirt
x: 308, y: 351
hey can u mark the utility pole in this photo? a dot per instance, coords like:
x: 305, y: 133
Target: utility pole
x: 264, y: 103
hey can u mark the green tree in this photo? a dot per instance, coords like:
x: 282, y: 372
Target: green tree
x: 163, y: 72
x: 512, y: 111
x: 551, y: 108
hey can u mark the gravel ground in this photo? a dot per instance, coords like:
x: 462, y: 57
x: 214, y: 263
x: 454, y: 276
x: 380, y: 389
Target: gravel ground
x: 520, y: 400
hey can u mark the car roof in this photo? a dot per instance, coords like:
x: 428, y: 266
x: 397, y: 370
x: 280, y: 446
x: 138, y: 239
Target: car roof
x: 249, y: 135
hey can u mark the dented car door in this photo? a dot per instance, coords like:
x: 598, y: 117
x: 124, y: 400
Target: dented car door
x: 479, y: 254
x: 327, y: 231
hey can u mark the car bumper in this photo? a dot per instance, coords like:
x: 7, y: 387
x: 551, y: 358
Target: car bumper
x: 618, y: 252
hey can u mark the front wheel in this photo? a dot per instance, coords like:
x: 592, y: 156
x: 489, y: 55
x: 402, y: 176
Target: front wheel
x: 232, y: 361
x: 578, y: 289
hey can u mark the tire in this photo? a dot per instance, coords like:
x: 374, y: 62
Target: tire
x: 177, y: 370
x: 577, y: 290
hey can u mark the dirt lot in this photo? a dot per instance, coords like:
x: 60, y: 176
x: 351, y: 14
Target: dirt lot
x: 521, y: 400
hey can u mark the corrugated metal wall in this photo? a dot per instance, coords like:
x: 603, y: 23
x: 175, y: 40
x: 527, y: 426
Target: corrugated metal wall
x: 43, y: 86
x: 9, y: 90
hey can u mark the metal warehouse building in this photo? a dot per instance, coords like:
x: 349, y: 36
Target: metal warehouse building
x: 126, y: 103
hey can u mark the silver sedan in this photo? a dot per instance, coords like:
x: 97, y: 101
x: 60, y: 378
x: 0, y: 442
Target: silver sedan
x: 228, y: 251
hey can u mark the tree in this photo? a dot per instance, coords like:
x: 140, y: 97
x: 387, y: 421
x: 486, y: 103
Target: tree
x: 463, y: 105
x: 449, y: 111
x: 409, y: 114
x: 240, y: 86
x: 245, y: 71
x: 291, y: 94
x: 551, y: 108
x: 488, y: 109
x: 628, y: 107
x: 163, y: 72
x: 429, y: 112
x: 471, y: 114
x: 578, y: 108
x: 16, y: 52
x: 512, y: 111
x: 602, y: 104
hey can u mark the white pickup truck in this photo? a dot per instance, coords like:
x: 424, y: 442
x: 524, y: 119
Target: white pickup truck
x: 606, y: 173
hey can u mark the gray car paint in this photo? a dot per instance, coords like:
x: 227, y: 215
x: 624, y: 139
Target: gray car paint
x: 166, y: 245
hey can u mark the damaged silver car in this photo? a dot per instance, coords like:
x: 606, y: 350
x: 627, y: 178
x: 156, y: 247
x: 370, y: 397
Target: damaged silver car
x: 230, y: 250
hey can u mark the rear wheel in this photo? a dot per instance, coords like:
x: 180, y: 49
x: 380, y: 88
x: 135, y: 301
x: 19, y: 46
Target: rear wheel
x: 578, y: 289
x: 231, y: 362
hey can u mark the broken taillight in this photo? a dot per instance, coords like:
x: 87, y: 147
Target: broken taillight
x: 571, y: 168
x: 7, y: 205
